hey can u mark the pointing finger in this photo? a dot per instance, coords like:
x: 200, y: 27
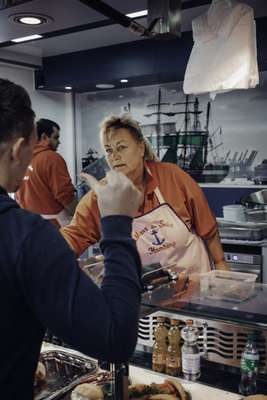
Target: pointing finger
x: 90, y: 180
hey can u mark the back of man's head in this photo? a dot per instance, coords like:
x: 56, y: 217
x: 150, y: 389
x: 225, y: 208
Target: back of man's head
x: 16, y: 114
x: 46, y: 126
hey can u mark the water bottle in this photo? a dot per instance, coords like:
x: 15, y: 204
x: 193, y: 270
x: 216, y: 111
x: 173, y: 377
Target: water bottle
x: 249, y: 367
x: 190, y: 352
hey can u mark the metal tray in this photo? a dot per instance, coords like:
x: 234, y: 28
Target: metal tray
x: 64, y: 371
x: 254, y: 215
x: 243, y: 231
x: 102, y: 379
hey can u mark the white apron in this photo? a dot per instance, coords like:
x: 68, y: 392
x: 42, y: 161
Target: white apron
x: 161, y: 236
x: 63, y: 218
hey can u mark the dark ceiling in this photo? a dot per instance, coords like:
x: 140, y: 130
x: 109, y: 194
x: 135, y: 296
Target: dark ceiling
x: 77, y: 20
x: 81, y: 46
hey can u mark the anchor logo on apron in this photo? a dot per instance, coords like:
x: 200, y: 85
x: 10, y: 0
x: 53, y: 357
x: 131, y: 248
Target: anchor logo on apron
x: 157, y: 241
x: 163, y: 237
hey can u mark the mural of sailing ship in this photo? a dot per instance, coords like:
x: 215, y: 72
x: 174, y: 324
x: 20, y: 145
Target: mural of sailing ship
x: 192, y: 147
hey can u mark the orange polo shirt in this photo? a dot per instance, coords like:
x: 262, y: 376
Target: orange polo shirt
x: 179, y: 190
x: 47, y: 187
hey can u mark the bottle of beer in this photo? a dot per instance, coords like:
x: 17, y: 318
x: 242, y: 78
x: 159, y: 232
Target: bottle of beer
x: 173, y: 357
x: 160, y: 346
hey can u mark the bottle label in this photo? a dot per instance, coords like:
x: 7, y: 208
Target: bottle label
x: 251, y: 356
x: 173, y: 361
x: 191, y: 363
x: 249, y: 364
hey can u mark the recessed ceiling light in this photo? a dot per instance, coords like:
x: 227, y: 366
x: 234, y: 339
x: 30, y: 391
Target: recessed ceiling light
x: 26, y: 38
x: 121, y: 96
x: 68, y: 87
x: 30, y: 19
x: 105, y: 86
x: 137, y: 14
x: 124, y: 80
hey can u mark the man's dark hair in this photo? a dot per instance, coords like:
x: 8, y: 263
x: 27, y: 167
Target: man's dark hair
x: 46, y: 126
x: 16, y: 114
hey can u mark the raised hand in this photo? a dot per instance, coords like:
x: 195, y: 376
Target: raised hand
x: 116, y: 195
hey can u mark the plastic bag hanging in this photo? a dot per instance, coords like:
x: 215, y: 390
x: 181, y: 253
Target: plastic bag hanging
x: 224, y: 55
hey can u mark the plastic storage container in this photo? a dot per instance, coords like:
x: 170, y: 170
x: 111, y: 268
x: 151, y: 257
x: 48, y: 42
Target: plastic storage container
x: 234, y: 212
x: 227, y: 285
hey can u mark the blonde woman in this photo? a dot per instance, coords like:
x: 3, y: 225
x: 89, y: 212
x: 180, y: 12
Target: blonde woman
x: 173, y: 226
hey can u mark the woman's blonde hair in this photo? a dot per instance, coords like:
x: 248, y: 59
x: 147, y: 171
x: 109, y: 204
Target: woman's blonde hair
x: 125, y: 121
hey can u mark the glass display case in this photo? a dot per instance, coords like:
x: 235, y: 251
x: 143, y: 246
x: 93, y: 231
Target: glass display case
x: 225, y: 315
x: 249, y: 310
x: 225, y: 308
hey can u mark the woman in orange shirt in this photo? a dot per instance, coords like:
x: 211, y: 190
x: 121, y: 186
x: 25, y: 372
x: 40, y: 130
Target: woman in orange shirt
x: 174, y: 225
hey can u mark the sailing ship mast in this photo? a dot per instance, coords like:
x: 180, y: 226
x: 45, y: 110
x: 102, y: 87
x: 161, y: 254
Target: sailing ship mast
x: 158, y: 126
x: 186, y: 139
x: 207, y: 130
x: 158, y: 113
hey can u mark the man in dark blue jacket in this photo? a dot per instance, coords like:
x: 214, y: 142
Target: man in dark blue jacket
x: 41, y: 284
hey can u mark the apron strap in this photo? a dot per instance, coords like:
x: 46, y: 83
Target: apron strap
x: 161, y: 200
x: 159, y: 196
x: 157, y: 192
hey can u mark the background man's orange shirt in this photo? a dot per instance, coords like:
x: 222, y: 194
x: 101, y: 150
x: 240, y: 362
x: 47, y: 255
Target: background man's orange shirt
x: 47, y: 186
x: 179, y: 190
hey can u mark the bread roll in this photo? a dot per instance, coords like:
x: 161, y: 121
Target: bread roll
x: 40, y: 373
x: 178, y: 387
x: 256, y: 397
x: 87, y: 391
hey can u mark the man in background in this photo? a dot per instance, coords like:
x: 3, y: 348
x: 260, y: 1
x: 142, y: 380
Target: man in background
x: 41, y: 284
x: 47, y: 189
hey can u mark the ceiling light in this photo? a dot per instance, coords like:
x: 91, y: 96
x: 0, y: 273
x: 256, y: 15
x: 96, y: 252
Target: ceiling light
x: 124, y: 80
x: 105, y: 86
x: 26, y: 38
x: 30, y: 19
x: 68, y: 87
x: 137, y: 14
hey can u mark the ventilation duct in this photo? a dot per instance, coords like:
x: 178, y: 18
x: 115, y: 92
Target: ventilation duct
x: 164, y: 18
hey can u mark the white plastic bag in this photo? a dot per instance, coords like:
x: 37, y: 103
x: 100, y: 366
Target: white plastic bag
x: 224, y: 55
